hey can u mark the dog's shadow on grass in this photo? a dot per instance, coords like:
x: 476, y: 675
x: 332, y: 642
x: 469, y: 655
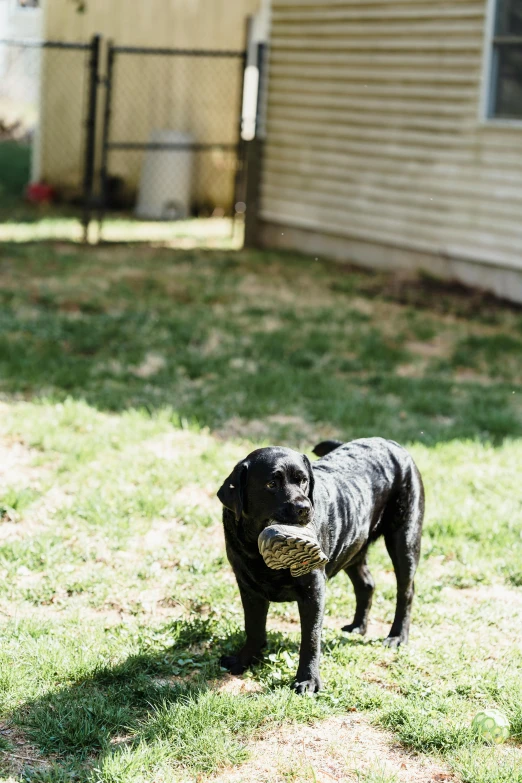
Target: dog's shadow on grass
x: 88, y: 725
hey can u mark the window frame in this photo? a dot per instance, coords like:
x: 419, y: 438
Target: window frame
x: 489, y: 83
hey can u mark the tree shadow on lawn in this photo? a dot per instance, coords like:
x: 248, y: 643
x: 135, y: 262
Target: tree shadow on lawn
x: 152, y: 708
x: 228, y: 338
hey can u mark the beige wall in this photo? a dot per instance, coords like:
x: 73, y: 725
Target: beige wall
x: 216, y: 24
x: 149, y: 92
x: 375, y: 148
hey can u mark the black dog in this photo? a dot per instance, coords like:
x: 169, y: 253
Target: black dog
x: 356, y: 493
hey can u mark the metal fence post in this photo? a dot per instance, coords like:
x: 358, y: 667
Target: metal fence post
x: 240, y: 155
x: 90, y: 138
x: 105, y: 135
x: 254, y: 159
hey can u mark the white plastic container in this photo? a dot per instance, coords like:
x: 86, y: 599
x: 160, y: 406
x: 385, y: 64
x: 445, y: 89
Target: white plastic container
x: 166, y: 178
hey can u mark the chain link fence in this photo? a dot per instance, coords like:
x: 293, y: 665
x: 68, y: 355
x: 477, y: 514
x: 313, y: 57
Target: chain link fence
x: 44, y: 91
x: 172, y: 139
x: 153, y: 135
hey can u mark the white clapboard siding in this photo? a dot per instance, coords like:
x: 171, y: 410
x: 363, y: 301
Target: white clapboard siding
x: 373, y: 130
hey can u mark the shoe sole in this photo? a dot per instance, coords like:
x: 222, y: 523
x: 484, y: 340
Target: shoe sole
x: 281, y: 549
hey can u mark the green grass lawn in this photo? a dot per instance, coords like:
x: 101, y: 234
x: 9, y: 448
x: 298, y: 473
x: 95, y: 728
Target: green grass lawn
x: 131, y: 380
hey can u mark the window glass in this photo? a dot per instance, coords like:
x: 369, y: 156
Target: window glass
x: 509, y: 81
x: 509, y: 17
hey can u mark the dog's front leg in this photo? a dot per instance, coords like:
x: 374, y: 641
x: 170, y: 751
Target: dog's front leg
x: 255, y: 608
x: 310, y: 601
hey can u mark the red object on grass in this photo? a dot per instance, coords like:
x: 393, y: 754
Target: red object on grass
x: 40, y: 193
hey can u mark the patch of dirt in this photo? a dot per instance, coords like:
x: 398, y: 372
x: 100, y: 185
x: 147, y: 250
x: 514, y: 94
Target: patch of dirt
x: 445, y: 421
x: 16, y: 465
x: 151, y: 365
x: 336, y: 749
x: 41, y: 515
x: 291, y: 624
x: 425, y: 351
x: 441, y: 296
x: 493, y: 617
x: 157, y: 537
x: 175, y: 445
x: 463, y: 374
x: 410, y: 370
x: 162, y: 532
x: 67, y: 248
x: 247, y: 366
x: 194, y: 496
x: 175, y: 679
x: 112, y: 617
x: 505, y: 595
x: 430, y: 348
x: 213, y: 342
x: 272, y: 427
x: 233, y: 685
x: 269, y: 323
x: 303, y: 291
x: 22, y: 754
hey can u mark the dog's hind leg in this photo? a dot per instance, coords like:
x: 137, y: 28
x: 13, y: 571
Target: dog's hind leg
x: 403, y: 542
x: 363, y: 586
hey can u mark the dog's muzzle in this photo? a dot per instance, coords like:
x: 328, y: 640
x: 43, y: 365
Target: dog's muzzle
x: 293, y: 547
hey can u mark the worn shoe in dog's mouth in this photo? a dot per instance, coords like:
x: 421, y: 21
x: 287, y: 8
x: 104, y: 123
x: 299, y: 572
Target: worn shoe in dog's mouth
x: 291, y: 546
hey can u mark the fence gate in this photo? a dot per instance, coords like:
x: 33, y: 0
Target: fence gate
x: 171, y: 144
x: 47, y: 126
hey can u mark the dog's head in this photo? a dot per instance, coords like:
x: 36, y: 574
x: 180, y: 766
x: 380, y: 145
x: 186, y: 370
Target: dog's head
x: 270, y: 485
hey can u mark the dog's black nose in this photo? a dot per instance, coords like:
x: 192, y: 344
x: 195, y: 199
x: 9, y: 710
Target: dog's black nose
x: 302, y: 508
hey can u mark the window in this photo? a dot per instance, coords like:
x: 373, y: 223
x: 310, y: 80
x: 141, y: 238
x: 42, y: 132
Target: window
x: 506, y: 62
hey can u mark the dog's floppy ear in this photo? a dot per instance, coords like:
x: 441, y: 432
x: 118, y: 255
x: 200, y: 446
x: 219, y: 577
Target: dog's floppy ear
x: 232, y: 491
x: 311, y: 480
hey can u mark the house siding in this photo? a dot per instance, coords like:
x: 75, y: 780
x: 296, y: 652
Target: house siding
x: 374, y: 135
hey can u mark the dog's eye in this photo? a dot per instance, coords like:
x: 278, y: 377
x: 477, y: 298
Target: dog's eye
x: 303, y: 482
x: 271, y: 485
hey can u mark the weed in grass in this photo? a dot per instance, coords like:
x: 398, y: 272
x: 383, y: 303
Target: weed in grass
x: 14, y: 501
x: 499, y: 354
x: 427, y: 729
x: 297, y: 772
x: 484, y: 765
x: 376, y: 775
x: 81, y: 724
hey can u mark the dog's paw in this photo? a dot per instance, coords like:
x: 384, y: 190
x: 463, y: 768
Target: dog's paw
x: 394, y: 642
x: 353, y: 628
x: 310, y: 685
x: 233, y: 663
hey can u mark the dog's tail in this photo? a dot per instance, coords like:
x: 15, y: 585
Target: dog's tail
x: 326, y: 446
